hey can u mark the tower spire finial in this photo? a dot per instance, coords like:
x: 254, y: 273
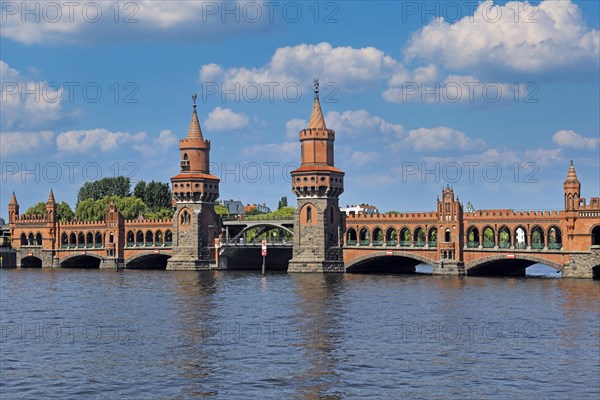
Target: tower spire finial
x: 194, y: 131
x: 194, y: 97
x: 316, y: 120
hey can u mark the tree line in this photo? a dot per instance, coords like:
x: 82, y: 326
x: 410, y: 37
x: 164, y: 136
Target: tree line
x: 152, y: 200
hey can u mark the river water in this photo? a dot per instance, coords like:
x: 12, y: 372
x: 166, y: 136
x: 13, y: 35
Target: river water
x: 238, y: 335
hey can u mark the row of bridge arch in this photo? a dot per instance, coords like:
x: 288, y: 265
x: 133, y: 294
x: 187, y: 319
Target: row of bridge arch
x: 97, y: 239
x: 149, y: 238
x: 475, y: 237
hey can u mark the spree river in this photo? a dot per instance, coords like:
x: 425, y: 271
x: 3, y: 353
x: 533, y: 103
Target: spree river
x: 225, y: 334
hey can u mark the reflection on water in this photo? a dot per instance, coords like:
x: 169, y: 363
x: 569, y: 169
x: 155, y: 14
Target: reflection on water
x: 227, y: 334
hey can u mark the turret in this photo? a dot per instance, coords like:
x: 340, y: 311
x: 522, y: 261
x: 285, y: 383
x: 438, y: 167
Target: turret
x: 572, y: 188
x: 13, y: 209
x: 51, y: 207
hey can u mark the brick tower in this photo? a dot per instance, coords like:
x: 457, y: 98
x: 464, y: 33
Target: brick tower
x: 572, y: 189
x: 195, y: 223
x: 450, y: 234
x: 318, y: 222
x: 13, y: 209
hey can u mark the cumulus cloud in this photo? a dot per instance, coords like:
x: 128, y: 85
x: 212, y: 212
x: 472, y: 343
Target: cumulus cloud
x: 224, y: 119
x: 20, y: 142
x: 28, y: 104
x: 105, y: 140
x: 516, y: 37
x: 361, y: 158
x: 440, y: 138
x: 277, y: 151
x: 345, y: 68
x: 165, y: 140
x: 294, y: 126
x: 142, y: 20
x: 571, y: 139
x: 361, y: 123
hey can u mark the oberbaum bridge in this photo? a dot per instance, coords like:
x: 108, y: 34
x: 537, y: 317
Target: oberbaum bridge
x: 451, y: 240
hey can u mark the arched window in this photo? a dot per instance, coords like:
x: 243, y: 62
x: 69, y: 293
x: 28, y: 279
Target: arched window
x: 72, y: 240
x: 185, y: 156
x: 554, y: 238
x: 308, y: 214
x: 391, y: 237
x: 405, y: 237
x: 433, y: 237
x: 98, y: 240
x: 111, y: 238
x: 377, y: 237
x: 596, y: 236
x: 89, y: 240
x: 504, y: 238
x: 520, y: 238
x: 364, y: 237
x: 489, y: 241
x: 419, y: 238
x: 185, y: 218
x: 23, y: 239
x: 130, y: 239
x: 80, y: 240
x: 537, y: 238
x: 149, y: 238
x: 38, y: 239
x: 139, y: 238
x: 447, y: 235
x: 472, y: 237
x: 64, y: 240
x: 351, y: 237
x: 168, y: 238
x: 30, y: 239
x: 159, y: 238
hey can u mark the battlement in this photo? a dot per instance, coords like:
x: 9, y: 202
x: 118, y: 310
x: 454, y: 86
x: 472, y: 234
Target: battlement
x: 512, y: 213
x: 33, y: 219
x: 393, y: 216
x: 148, y: 221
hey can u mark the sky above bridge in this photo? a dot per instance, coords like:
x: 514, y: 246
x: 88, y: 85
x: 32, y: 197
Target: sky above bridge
x: 493, y: 99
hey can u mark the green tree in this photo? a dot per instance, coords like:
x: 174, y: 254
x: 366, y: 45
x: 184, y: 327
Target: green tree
x: 95, y: 210
x: 282, y: 203
x: 221, y: 210
x: 156, y: 195
x: 96, y: 190
x: 63, y: 210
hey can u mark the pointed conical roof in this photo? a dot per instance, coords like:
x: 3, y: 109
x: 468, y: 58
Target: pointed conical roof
x: 13, y: 200
x: 194, y: 131
x: 316, y: 120
x: 572, y: 175
x: 51, y: 198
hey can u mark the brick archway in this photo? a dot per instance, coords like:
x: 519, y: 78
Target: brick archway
x: 384, y: 255
x: 470, y: 266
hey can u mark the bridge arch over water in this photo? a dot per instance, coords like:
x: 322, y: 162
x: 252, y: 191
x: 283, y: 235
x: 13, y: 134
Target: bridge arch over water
x: 147, y: 260
x: 88, y: 260
x: 501, y: 265
x: 382, y: 261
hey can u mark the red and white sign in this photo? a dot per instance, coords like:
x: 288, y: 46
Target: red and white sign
x: 156, y: 251
x: 83, y: 253
x: 510, y: 255
x: 29, y: 254
x: 264, y: 248
x: 389, y: 253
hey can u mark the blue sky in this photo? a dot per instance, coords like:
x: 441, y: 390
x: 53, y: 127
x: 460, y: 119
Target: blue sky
x: 491, y: 98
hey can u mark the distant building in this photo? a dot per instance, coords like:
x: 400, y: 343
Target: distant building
x: 235, y: 207
x: 360, y: 209
x: 259, y: 207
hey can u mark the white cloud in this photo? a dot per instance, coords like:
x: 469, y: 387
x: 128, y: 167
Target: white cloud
x: 549, y: 37
x: 571, y: 139
x: 440, y: 138
x: 28, y: 104
x: 361, y: 124
x: 345, y: 68
x: 84, y: 140
x: 294, y: 126
x: 361, y: 158
x: 158, y: 145
x: 92, y: 21
x: 24, y: 142
x: 224, y: 119
x: 277, y: 151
